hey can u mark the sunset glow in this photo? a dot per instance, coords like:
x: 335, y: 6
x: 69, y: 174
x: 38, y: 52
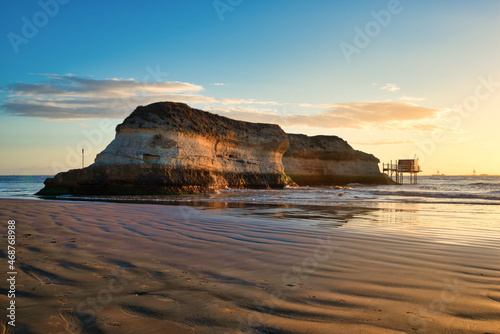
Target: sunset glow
x: 393, y: 78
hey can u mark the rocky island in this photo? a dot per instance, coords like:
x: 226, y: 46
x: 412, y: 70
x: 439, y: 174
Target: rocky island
x: 329, y: 160
x: 171, y: 148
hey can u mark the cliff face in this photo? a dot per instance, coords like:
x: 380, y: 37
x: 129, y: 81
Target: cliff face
x: 169, y: 147
x: 179, y: 136
x: 329, y: 160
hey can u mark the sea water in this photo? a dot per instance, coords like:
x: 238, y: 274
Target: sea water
x: 453, y: 190
x: 451, y: 209
x: 21, y: 186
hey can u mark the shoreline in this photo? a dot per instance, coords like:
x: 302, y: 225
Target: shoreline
x: 117, y: 267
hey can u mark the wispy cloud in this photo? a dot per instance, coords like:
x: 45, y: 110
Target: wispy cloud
x: 359, y: 115
x: 72, y: 97
x: 219, y: 84
x: 69, y: 97
x: 244, y: 101
x: 314, y: 105
x: 386, y: 142
x: 390, y: 87
x: 411, y: 98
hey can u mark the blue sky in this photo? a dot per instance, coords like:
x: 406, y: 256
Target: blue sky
x: 399, y: 94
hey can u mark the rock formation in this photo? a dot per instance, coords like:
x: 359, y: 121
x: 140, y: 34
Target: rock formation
x: 168, y: 147
x: 329, y: 160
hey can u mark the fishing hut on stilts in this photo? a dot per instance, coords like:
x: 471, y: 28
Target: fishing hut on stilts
x: 397, y: 170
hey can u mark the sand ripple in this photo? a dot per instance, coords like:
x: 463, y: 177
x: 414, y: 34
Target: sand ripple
x: 125, y: 268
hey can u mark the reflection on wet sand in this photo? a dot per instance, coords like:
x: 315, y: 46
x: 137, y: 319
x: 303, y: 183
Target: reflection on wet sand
x: 226, y: 267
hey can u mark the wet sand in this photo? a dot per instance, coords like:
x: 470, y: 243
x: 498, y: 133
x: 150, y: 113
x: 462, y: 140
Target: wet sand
x: 86, y: 267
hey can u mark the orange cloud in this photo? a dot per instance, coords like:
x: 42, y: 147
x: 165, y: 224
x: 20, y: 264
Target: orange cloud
x: 358, y: 115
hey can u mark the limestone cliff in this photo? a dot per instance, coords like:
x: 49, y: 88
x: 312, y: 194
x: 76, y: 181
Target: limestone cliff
x: 169, y: 147
x: 329, y: 160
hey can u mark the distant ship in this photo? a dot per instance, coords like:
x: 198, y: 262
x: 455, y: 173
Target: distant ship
x: 438, y: 174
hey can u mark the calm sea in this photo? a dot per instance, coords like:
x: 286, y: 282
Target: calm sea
x: 446, y: 190
x: 457, y: 210
x: 20, y: 186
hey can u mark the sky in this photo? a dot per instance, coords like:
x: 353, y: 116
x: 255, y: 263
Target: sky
x: 397, y: 79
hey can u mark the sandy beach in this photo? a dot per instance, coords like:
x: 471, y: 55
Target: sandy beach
x: 250, y: 167
x: 94, y: 267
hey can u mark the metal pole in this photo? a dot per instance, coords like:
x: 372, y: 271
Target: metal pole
x: 83, y: 158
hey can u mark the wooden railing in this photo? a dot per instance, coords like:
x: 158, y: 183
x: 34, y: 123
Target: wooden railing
x: 401, y: 168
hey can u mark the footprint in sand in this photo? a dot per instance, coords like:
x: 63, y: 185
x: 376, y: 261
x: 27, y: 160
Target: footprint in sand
x: 71, y: 322
x: 111, y: 323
